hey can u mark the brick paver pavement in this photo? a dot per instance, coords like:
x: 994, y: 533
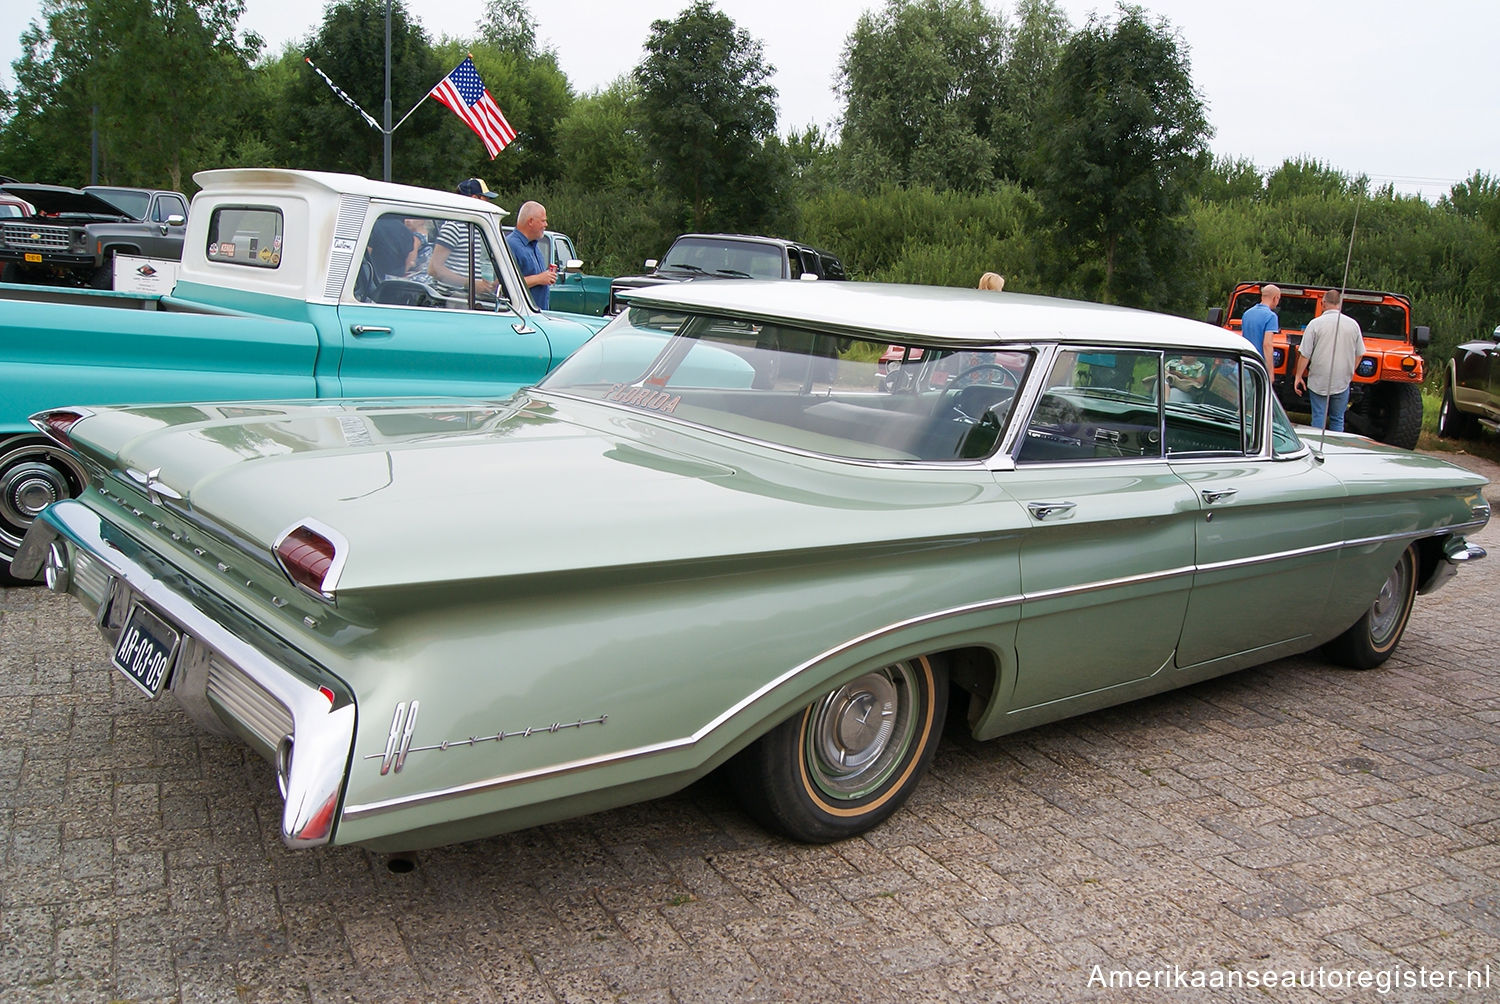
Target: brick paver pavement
x: 1292, y: 817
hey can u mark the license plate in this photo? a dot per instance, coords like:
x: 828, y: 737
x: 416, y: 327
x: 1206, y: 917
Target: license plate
x: 34, y: 258
x: 145, y: 650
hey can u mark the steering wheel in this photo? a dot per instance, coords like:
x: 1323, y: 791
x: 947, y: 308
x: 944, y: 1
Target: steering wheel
x: 1059, y: 419
x: 954, y: 391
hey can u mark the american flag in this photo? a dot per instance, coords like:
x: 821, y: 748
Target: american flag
x: 464, y: 92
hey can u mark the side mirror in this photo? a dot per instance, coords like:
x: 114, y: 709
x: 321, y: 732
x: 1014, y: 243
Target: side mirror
x: 651, y: 263
x: 1216, y: 316
x: 175, y: 220
x: 573, y: 265
x: 1421, y: 336
x: 808, y: 277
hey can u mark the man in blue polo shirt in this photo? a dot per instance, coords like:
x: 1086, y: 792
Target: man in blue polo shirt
x: 531, y: 254
x: 1260, y: 322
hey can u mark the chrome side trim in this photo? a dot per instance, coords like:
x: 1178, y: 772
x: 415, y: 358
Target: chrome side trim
x: 622, y: 756
x: 324, y: 733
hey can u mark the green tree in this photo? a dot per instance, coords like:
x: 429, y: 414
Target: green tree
x: 707, y: 112
x: 599, y: 139
x: 1477, y: 201
x: 157, y: 81
x: 508, y: 26
x: 315, y: 130
x: 1041, y: 31
x: 1122, y: 144
x: 923, y: 80
x: 1229, y: 179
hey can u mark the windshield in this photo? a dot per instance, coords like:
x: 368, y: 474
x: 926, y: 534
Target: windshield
x: 721, y: 257
x: 132, y: 204
x: 799, y: 388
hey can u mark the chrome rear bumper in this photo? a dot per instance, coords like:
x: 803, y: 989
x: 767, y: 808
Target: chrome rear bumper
x: 221, y: 678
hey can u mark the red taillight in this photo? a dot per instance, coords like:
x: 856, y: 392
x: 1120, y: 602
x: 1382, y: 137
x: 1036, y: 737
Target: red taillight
x: 58, y: 423
x: 306, y: 556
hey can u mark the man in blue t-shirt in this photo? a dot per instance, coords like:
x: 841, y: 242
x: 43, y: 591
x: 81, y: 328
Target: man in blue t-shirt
x: 1260, y: 322
x: 526, y: 244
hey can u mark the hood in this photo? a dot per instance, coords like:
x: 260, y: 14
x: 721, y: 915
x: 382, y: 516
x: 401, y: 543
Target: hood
x: 58, y: 199
x: 451, y: 491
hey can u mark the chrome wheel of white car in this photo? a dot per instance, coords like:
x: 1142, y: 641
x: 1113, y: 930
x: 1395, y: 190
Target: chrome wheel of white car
x: 1372, y: 638
x: 34, y: 473
x: 849, y: 759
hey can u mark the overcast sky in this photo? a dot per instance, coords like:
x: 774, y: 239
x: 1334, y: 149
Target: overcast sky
x: 1403, y: 92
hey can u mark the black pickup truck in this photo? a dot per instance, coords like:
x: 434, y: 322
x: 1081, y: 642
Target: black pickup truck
x: 76, y: 232
x: 730, y: 256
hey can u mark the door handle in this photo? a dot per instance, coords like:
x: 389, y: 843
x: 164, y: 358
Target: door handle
x: 1051, y: 510
x: 1210, y: 495
x: 368, y: 329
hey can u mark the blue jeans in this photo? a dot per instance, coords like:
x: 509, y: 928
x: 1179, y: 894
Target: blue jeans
x: 1331, y: 407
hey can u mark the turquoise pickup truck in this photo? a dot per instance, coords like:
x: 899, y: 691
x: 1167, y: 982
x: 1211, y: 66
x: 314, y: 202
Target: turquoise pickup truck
x: 294, y: 284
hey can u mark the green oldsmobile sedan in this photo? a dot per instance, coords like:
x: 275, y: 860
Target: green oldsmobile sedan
x: 784, y: 529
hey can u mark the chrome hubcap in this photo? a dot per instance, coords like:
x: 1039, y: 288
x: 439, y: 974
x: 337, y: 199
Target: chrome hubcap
x: 30, y: 488
x: 859, y: 733
x: 33, y: 475
x: 1385, y: 613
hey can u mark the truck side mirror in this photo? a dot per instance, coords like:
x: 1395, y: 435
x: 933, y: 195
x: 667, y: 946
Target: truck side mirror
x: 573, y: 265
x: 176, y: 220
x: 651, y: 263
x: 1216, y: 316
x: 1421, y: 336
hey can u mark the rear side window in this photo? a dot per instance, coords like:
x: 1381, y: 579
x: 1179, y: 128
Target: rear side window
x: 246, y: 235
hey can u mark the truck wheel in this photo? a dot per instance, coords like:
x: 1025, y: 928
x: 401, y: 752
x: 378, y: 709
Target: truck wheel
x: 34, y: 473
x: 104, y: 275
x: 1392, y: 413
x: 1452, y: 423
x: 848, y: 760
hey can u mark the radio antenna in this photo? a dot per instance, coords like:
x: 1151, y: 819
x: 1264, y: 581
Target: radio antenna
x: 1359, y: 197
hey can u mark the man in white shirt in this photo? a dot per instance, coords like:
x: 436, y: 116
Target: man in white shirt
x: 1332, y: 345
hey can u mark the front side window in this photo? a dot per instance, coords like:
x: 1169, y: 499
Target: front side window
x: 425, y: 261
x: 1098, y: 404
x: 167, y: 206
x: 799, y: 388
x: 246, y: 235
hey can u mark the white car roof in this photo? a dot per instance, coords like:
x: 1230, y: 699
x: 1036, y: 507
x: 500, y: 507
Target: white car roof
x: 936, y: 314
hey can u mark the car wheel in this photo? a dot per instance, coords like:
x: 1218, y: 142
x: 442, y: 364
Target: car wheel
x: 848, y: 760
x: 1452, y: 423
x: 33, y: 474
x: 1372, y: 638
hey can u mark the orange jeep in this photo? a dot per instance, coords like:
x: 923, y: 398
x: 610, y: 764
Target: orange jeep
x: 1385, y: 400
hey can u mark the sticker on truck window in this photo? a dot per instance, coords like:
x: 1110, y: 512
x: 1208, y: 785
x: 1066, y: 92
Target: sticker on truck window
x: 246, y: 235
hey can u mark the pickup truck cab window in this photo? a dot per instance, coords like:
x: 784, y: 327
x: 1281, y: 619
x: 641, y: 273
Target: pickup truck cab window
x: 168, y: 206
x: 246, y: 235
x: 414, y: 260
x: 461, y: 260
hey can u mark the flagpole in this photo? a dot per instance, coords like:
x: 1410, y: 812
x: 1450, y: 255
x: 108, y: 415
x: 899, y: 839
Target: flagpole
x: 387, y: 130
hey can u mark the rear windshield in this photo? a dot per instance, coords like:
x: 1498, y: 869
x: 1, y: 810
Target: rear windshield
x: 245, y: 235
